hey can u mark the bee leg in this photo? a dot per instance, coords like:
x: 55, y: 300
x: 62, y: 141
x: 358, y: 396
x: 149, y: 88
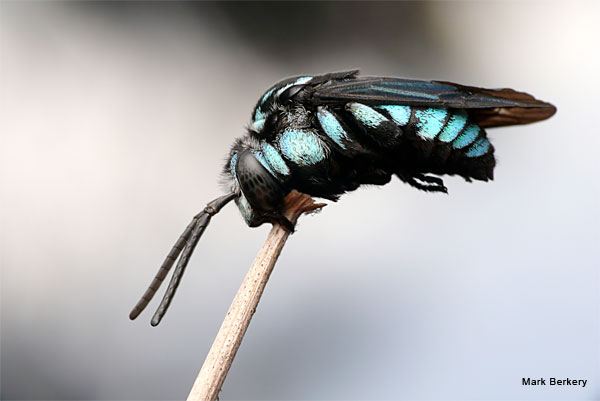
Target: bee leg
x: 286, y: 223
x: 436, y: 181
x: 376, y: 177
x: 427, y: 182
x: 280, y: 219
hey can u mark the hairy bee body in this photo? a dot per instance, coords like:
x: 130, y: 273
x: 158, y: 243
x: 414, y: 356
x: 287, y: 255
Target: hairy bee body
x: 329, y: 134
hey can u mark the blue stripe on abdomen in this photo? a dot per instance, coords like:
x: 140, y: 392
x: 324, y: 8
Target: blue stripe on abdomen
x: 430, y: 121
x: 366, y: 115
x: 467, y: 137
x: 332, y: 127
x: 400, y: 114
x: 479, y: 148
x: 454, y: 126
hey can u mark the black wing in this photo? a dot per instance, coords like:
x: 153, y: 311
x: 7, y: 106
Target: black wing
x: 487, y: 107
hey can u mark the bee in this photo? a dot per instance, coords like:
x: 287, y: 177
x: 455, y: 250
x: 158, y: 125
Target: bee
x: 329, y: 134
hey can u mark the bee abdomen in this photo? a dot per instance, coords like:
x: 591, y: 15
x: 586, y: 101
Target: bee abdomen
x: 457, y: 145
x: 432, y: 139
x: 410, y: 139
x: 451, y: 128
x: 434, y: 127
x: 384, y: 132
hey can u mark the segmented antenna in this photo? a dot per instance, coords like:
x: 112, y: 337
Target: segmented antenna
x: 201, y: 225
x: 186, y: 243
x: 163, y: 270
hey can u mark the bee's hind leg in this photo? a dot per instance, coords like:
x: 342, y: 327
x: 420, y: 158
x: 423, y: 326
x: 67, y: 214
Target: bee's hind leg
x: 285, y: 223
x: 424, y: 182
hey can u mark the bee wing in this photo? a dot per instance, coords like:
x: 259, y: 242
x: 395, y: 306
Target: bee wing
x: 487, y: 107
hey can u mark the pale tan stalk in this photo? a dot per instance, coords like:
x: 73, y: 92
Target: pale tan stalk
x: 228, y: 340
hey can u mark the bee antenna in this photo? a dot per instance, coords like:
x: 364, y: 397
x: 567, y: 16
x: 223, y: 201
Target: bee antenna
x: 186, y: 243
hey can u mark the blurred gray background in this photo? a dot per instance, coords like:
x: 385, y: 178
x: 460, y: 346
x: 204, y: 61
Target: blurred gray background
x: 116, y: 118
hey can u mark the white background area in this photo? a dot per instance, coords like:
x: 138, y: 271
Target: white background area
x: 115, y: 121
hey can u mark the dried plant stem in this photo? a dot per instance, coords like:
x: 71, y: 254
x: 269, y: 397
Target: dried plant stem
x: 228, y: 340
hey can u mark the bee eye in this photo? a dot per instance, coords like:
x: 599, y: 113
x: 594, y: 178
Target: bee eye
x: 260, y: 188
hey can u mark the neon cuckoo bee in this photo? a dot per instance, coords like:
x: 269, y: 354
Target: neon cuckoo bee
x: 329, y: 134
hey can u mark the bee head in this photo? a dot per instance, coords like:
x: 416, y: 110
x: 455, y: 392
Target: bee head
x: 251, y: 177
